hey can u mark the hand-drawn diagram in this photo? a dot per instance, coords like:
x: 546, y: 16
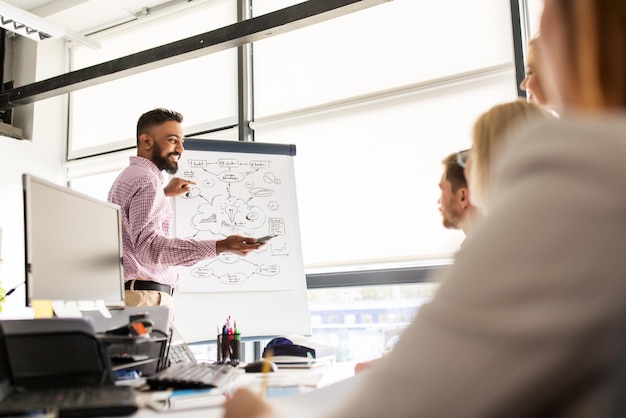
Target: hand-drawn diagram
x: 240, y: 194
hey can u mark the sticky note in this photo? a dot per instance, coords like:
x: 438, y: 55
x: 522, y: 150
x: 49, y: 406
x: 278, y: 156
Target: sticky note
x: 42, y: 308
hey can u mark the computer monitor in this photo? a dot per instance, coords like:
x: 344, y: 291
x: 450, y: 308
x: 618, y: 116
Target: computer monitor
x: 73, y: 245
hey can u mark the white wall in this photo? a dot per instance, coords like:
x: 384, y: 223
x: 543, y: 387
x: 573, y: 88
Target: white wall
x: 43, y: 155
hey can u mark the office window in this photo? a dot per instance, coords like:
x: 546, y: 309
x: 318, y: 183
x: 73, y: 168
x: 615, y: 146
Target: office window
x: 535, y: 8
x: 262, y: 7
x: 96, y: 185
x: 204, y: 89
x: 367, y: 177
x: 362, y: 323
x: 387, y: 46
x: 367, y: 319
x: 374, y: 101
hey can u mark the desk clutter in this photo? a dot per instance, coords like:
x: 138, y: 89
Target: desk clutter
x: 298, y: 351
x: 229, y: 343
x: 192, y: 376
x: 57, y: 366
x: 135, y: 339
x: 98, y: 366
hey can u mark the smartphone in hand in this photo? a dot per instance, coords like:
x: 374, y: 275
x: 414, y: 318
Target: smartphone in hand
x: 264, y: 239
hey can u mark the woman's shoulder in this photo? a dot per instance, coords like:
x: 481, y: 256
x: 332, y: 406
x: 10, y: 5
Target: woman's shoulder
x: 607, y: 126
x: 576, y: 139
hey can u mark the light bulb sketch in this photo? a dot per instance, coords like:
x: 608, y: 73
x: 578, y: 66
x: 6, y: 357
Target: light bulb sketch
x: 231, y: 212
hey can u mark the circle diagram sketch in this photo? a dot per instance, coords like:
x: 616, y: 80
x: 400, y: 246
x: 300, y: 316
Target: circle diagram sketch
x: 240, y: 194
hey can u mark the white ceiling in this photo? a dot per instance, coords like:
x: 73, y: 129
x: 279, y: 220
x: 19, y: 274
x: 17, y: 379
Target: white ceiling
x: 87, y: 16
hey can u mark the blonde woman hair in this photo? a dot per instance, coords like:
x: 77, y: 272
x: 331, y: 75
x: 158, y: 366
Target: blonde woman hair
x: 490, y: 132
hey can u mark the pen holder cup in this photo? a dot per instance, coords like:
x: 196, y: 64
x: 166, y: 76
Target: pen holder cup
x: 228, y: 348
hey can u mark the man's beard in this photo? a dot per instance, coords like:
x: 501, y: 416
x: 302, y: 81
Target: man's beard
x: 164, y: 163
x: 451, y: 219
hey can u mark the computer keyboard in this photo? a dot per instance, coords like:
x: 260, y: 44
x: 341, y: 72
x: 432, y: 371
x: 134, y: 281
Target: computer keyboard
x: 192, y: 375
x: 73, y: 402
x: 181, y: 353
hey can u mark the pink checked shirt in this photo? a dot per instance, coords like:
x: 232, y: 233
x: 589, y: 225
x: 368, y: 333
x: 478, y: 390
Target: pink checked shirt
x: 150, y: 250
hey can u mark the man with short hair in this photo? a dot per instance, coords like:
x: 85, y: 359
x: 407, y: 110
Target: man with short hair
x: 455, y: 206
x: 150, y: 250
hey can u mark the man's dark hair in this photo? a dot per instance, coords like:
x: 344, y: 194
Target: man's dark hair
x: 156, y: 117
x: 454, y: 172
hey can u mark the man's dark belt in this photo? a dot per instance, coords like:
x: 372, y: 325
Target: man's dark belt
x: 147, y: 285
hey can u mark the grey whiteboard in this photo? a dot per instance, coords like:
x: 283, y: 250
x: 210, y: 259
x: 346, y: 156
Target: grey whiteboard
x: 242, y: 188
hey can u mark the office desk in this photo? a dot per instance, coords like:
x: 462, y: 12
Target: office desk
x: 330, y: 374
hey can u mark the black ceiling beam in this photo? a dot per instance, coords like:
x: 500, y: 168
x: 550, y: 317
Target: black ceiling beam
x: 237, y: 34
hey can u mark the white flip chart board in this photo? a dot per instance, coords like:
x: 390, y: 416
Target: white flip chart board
x: 242, y: 188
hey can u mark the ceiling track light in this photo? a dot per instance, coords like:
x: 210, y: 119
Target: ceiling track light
x: 22, y: 29
x: 36, y: 28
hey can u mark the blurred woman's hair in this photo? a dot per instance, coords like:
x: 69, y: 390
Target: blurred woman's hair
x: 490, y: 132
x: 596, y: 31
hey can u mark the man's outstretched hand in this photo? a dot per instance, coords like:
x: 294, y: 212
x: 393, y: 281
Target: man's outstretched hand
x: 177, y: 186
x: 237, y: 244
